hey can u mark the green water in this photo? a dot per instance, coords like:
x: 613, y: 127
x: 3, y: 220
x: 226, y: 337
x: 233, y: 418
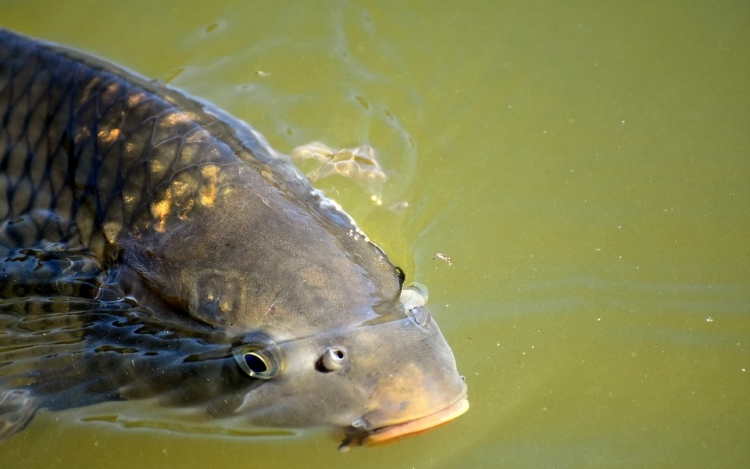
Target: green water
x: 584, y: 164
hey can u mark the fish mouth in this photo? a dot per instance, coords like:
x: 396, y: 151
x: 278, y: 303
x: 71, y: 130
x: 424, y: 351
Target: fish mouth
x: 410, y: 427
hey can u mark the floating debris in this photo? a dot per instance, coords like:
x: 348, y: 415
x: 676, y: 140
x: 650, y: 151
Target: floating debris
x: 444, y: 257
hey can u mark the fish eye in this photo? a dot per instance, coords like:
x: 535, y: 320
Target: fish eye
x: 257, y: 364
x: 331, y: 360
x: 420, y: 316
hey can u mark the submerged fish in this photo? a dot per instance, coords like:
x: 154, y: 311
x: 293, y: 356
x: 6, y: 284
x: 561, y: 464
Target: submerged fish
x: 152, y: 246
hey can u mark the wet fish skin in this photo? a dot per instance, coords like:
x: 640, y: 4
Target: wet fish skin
x: 123, y: 165
x: 218, y: 237
x: 133, y: 201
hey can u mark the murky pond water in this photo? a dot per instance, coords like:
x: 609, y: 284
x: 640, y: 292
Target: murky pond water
x: 584, y: 166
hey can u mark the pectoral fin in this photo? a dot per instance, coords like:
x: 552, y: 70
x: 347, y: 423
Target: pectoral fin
x: 17, y: 407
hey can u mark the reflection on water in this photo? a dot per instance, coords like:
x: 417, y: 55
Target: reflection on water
x: 65, y: 332
x: 69, y: 335
x: 584, y: 167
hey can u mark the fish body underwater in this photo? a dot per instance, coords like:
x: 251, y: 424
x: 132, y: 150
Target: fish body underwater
x: 152, y: 246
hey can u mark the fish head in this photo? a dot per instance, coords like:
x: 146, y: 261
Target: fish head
x: 259, y: 261
x: 379, y: 380
x: 346, y: 345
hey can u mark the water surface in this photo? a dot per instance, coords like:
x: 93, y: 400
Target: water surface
x: 584, y: 165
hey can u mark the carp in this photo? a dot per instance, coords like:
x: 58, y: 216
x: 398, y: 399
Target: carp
x: 152, y: 246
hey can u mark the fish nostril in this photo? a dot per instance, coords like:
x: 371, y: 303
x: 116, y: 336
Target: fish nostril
x: 331, y: 360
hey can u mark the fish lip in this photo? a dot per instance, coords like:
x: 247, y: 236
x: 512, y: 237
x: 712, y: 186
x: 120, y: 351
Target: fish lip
x: 379, y: 435
x: 410, y: 427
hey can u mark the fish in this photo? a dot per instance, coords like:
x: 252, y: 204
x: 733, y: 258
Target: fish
x: 154, y: 247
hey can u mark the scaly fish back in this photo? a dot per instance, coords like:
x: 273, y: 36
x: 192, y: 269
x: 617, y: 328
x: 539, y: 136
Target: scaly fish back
x: 88, y: 150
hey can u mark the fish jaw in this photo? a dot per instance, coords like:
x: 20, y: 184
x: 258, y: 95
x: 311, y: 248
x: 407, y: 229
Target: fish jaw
x: 411, y: 427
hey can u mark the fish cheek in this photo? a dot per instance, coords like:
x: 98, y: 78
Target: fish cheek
x: 216, y: 298
x: 155, y: 273
x: 182, y: 278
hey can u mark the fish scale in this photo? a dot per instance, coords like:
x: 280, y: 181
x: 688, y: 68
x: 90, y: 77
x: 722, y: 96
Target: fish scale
x: 153, y: 247
x: 118, y: 141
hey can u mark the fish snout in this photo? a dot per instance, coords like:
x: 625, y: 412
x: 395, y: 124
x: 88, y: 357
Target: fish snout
x: 410, y: 401
x: 363, y: 432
